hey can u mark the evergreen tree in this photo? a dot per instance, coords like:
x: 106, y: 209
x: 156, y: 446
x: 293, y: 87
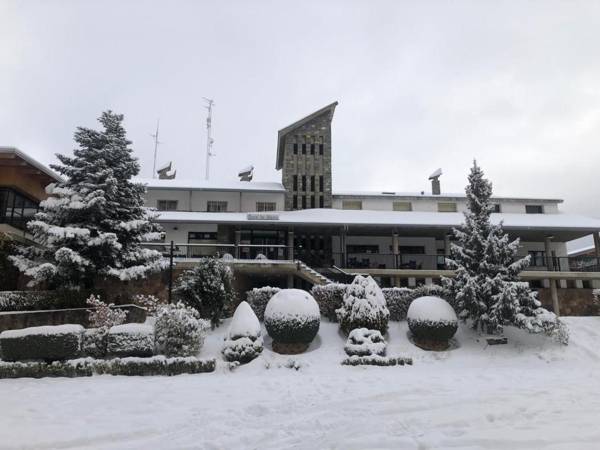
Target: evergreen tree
x: 93, y: 223
x: 486, y: 287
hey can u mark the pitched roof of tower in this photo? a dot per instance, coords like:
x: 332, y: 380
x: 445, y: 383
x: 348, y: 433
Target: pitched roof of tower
x: 284, y: 131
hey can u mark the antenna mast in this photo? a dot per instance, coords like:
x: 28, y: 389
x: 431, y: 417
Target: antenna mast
x: 156, y: 143
x: 209, y: 140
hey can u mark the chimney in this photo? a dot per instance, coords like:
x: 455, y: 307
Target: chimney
x: 435, y: 182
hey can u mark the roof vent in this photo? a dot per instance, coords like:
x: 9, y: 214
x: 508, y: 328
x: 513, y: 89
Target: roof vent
x: 246, y: 174
x: 435, y: 182
x: 164, y: 172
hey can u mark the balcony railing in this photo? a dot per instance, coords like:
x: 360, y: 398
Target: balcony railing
x: 241, y: 251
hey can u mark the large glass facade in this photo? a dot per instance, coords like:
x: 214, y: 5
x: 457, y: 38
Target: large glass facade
x: 16, y: 209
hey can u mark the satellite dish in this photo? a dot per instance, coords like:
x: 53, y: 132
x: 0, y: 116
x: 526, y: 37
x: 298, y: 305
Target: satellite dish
x: 246, y: 174
x: 436, y: 174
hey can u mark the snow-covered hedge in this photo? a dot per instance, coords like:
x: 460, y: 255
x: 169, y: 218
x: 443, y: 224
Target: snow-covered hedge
x: 179, y: 331
x: 36, y: 300
x: 363, y: 342
x: 292, y: 316
x: 243, y: 341
x: 156, y: 365
x: 329, y: 297
x: 431, y: 319
x: 398, y: 299
x: 258, y: 298
x: 363, y: 307
x: 376, y: 360
x: 48, y: 343
x: 94, y: 342
x: 131, y: 339
x: 208, y: 288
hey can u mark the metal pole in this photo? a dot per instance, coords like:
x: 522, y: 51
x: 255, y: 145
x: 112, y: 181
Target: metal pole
x: 171, y: 271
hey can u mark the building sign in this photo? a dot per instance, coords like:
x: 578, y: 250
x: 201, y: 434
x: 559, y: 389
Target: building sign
x: 260, y: 216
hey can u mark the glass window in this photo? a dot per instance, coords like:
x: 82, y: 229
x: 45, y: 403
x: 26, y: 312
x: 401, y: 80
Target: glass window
x: 534, y: 209
x: 304, y: 149
x: 402, y: 206
x: 265, y: 206
x: 321, y: 184
x: 446, y: 207
x: 321, y: 201
x: 312, y: 201
x: 295, y: 148
x: 312, y: 183
x: 295, y: 182
x: 351, y: 204
x: 496, y: 207
x: 304, y: 202
x: 216, y: 206
x: 166, y: 205
x: 295, y: 202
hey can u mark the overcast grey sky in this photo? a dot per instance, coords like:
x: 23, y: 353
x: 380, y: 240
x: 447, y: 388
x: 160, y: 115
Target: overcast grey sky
x: 421, y: 85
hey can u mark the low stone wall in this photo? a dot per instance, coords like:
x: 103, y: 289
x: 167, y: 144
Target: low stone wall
x: 16, y: 320
x: 572, y: 301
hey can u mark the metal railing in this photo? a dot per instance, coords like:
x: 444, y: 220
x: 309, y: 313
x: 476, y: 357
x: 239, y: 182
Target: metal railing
x: 389, y: 261
x: 239, y: 251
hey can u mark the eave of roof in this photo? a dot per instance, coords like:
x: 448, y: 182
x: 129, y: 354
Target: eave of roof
x: 202, y: 185
x: 284, y: 131
x: 418, y: 195
x: 32, y: 162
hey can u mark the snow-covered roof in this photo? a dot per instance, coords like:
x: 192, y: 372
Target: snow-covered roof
x: 399, y: 219
x: 31, y: 161
x: 212, y: 185
x: 580, y: 246
x: 446, y: 196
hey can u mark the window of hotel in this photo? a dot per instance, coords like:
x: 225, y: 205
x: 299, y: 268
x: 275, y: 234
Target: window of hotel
x: 321, y: 201
x: 321, y: 183
x: 312, y: 149
x: 402, y: 206
x: 216, y: 206
x: 446, y: 207
x: 411, y: 250
x: 295, y: 202
x: 538, y: 258
x: 304, y: 182
x: 312, y: 201
x: 351, y: 204
x: 496, y: 207
x: 15, y: 208
x: 295, y: 148
x: 166, y: 205
x: 304, y: 202
x: 312, y: 183
x: 265, y: 206
x: 534, y: 209
x: 320, y: 145
x: 295, y: 182
x: 304, y: 149
x: 362, y: 248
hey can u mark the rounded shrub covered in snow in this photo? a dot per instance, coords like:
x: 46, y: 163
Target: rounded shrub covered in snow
x: 292, y: 317
x: 329, y: 297
x: 178, y: 330
x: 243, y: 341
x: 363, y: 342
x: 363, y: 307
x: 432, y: 322
x: 258, y: 298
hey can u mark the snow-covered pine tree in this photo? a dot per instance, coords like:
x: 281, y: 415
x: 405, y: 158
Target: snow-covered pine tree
x: 486, y: 287
x: 93, y: 223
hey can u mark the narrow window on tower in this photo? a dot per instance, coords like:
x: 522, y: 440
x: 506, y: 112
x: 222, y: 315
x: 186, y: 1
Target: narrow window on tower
x: 312, y: 183
x: 320, y: 201
x: 321, y: 183
x: 312, y: 201
x: 304, y: 146
x: 304, y: 202
x: 304, y: 182
x: 295, y: 182
x: 320, y: 145
x: 295, y: 145
x: 312, y: 148
x: 295, y: 202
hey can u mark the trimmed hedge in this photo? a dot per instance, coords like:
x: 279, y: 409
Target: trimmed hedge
x: 41, y: 300
x: 94, y: 342
x: 399, y: 299
x: 292, y: 317
x: 258, y: 298
x: 49, y: 343
x: 329, y: 297
x: 157, y: 365
x: 376, y: 361
x: 131, y: 339
x: 433, y: 330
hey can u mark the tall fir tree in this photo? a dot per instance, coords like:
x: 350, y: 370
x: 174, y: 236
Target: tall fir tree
x: 486, y: 287
x: 92, y: 224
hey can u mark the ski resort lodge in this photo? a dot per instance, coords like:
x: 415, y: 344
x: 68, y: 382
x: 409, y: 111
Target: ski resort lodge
x: 302, y: 227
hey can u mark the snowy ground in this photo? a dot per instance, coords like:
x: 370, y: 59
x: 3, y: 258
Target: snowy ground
x: 526, y: 395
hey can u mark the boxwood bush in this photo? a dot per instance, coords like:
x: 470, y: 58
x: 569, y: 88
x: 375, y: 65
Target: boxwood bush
x: 292, y: 317
x: 258, y: 298
x: 329, y: 297
x: 48, y: 343
x: 132, y: 339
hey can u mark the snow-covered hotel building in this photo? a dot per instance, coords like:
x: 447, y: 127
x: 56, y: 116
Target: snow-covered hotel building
x: 399, y: 237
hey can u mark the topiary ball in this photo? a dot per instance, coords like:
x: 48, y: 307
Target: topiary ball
x: 292, y: 316
x: 431, y: 319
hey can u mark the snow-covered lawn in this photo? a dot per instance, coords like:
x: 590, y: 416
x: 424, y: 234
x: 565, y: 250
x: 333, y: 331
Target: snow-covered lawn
x: 528, y: 394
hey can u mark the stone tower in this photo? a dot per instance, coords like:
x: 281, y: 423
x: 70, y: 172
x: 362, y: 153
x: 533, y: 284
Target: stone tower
x: 304, y: 155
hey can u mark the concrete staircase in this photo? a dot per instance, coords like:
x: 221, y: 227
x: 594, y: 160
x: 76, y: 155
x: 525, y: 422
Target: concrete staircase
x: 312, y: 276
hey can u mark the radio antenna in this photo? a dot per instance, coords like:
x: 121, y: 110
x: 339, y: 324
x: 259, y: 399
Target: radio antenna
x: 156, y: 144
x: 209, y: 140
